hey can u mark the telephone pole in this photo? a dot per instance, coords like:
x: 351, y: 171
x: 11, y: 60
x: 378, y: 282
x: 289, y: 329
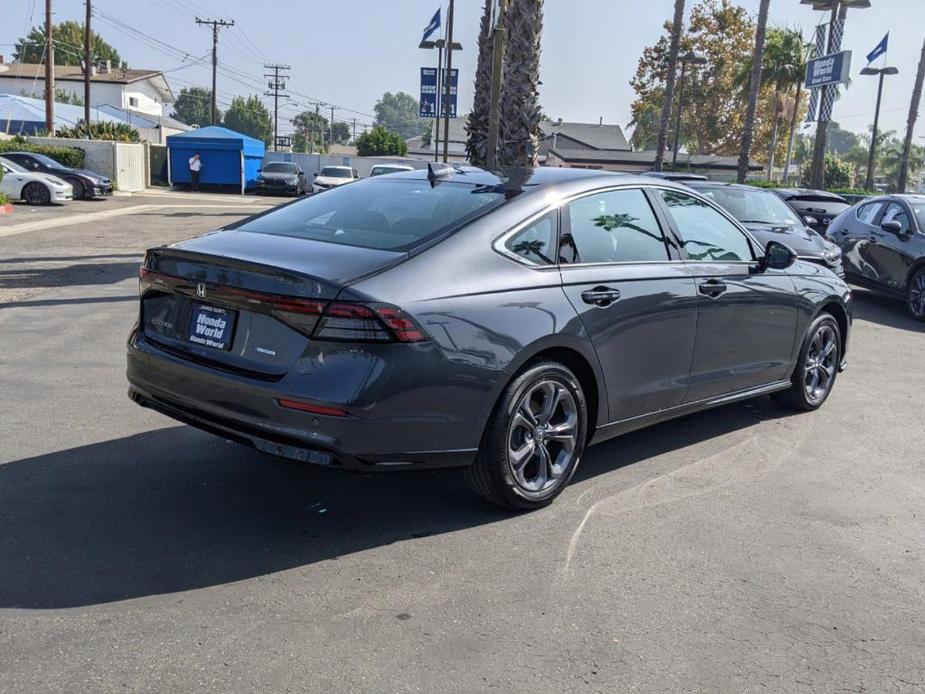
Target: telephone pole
x: 276, y: 88
x: 332, y: 126
x: 88, y: 63
x: 49, y: 72
x: 354, y: 132
x: 216, y: 24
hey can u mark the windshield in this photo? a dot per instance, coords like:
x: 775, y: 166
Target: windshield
x: 752, y: 205
x: 380, y: 170
x: 336, y: 172
x: 12, y: 166
x: 280, y: 168
x: 919, y: 209
x: 48, y: 161
x: 389, y: 213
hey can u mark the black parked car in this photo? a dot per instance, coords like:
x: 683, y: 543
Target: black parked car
x: 883, y: 242
x: 769, y: 219
x: 86, y: 184
x: 281, y: 177
x: 497, y: 321
x: 817, y: 208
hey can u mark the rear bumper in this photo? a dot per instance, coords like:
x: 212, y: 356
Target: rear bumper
x: 246, y: 411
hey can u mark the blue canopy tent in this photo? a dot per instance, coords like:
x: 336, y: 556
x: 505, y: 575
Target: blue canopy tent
x: 23, y: 115
x: 228, y: 157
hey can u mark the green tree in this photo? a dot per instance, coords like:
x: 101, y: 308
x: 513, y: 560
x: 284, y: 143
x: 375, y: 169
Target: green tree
x: 722, y: 33
x: 398, y: 113
x: 194, y: 107
x: 248, y: 115
x: 518, y: 140
x: 310, y: 131
x: 69, y: 41
x: 839, y: 140
x: 342, y: 132
x: 837, y: 172
x: 380, y: 142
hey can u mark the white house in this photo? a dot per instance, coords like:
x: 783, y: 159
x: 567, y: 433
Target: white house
x: 144, y: 91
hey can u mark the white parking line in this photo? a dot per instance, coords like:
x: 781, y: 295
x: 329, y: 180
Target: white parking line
x: 70, y: 220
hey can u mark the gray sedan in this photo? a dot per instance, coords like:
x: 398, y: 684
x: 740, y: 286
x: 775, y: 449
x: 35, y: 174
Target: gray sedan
x: 497, y: 321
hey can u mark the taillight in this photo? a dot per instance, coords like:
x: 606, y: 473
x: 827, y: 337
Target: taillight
x: 314, y: 409
x: 345, y: 322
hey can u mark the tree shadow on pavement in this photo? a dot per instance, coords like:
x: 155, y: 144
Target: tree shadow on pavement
x: 70, y: 275
x: 176, y: 509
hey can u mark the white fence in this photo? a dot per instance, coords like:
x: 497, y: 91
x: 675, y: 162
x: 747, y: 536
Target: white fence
x: 125, y: 163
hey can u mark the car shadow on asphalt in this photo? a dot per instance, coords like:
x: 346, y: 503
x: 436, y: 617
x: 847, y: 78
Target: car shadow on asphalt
x: 883, y: 310
x: 176, y: 509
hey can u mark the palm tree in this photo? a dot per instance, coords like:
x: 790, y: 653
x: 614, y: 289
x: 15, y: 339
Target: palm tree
x: 520, y: 106
x: 668, y: 99
x: 477, y: 125
x: 754, y: 87
x: 784, y: 67
x: 910, y: 123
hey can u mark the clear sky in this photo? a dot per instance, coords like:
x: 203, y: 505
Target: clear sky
x: 348, y: 52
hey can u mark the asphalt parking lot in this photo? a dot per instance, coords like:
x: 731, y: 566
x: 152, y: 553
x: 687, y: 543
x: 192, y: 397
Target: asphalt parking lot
x: 743, y: 549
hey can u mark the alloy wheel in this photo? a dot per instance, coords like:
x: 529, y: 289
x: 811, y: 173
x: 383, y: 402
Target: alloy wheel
x: 916, y: 298
x: 36, y: 194
x: 820, y: 364
x: 542, y: 436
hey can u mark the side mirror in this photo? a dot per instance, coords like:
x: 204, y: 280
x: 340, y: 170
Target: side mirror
x: 778, y: 256
x: 259, y: 170
x: 301, y: 174
x: 315, y: 175
x: 809, y: 220
x: 893, y: 227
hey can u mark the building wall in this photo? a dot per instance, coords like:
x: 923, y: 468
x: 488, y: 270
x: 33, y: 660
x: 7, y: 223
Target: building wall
x: 711, y: 173
x: 100, y: 92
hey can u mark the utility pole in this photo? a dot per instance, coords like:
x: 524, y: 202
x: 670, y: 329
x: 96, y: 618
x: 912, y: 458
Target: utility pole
x: 320, y: 129
x: 276, y: 88
x: 88, y: 66
x: 332, y: 126
x: 449, y: 82
x: 354, y: 131
x: 49, y: 72
x: 216, y: 24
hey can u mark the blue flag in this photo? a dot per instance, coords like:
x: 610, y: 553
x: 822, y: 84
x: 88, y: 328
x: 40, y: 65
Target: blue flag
x: 879, y: 49
x: 433, y: 25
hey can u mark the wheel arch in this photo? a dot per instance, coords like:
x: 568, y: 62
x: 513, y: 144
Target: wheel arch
x: 837, y: 309
x: 916, y: 266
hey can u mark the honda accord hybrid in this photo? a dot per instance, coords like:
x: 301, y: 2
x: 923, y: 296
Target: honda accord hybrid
x: 499, y: 321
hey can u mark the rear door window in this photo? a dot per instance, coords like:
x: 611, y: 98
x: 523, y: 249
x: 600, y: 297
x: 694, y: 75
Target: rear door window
x: 617, y: 226
x: 897, y: 213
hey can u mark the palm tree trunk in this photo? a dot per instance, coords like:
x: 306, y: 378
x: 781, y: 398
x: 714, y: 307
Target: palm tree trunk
x: 793, y: 130
x: 754, y: 87
x: 477, y: 125
x: 668, y: 98
x: 910, y: 124
x: 773, y: 147
x: 520, y: 106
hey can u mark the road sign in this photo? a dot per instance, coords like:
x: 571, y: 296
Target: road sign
x: 828, y: 69
x: 429, y: 88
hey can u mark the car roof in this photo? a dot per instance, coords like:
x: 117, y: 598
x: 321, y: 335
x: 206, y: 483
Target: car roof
x: 723, y: 184
x: 808, y: 192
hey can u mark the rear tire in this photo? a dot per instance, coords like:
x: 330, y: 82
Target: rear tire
x: 534, y: 439
x: 36, y: 194
x: 816, y: 369
x: 915, y: 295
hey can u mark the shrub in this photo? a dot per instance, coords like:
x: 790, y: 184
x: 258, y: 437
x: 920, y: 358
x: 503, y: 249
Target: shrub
x: 117, y: 132
x: 837, y: 173
x: 380, y: 141
x: 67, y: 156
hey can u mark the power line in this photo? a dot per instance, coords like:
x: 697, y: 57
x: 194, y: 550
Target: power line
x: 216, y: 24
x: 277, y: 87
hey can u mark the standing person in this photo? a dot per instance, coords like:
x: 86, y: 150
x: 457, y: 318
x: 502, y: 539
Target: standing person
x: 195, y: 164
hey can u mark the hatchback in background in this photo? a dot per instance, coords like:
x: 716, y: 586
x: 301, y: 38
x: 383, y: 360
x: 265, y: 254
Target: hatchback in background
x: 281, y: 177
x: 765, y: 215
x: 32, y: 188
x: 86, y: 184
x: 494, y: 320
x: 383, y: 169
x: 883, y: 246
x: 817, y: 208
x: 333, y: 176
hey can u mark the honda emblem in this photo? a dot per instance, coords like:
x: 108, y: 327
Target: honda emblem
x: 201, y: 290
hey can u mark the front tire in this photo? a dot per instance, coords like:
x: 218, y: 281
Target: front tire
x: 817, y: 367
x: 80, y: 191
x: 534, y: 439
x: 36, y: 194
x: 915, y: 295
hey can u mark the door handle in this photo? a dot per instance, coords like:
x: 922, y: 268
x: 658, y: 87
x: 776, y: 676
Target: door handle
x: 712, y: 288
x: 600, y: 296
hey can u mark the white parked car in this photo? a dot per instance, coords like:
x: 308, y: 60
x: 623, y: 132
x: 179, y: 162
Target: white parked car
x: 32, y: 187
x: 333, y: 176
x: 382, y: 169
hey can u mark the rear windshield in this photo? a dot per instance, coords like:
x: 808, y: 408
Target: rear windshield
x: 336, y: 172
x: 384, y: 213
x: 381, y: 170
x: 280, y: 168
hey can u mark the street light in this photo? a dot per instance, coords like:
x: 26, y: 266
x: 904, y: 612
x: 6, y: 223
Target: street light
x: 869, y: 181
x: 693, y: 59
